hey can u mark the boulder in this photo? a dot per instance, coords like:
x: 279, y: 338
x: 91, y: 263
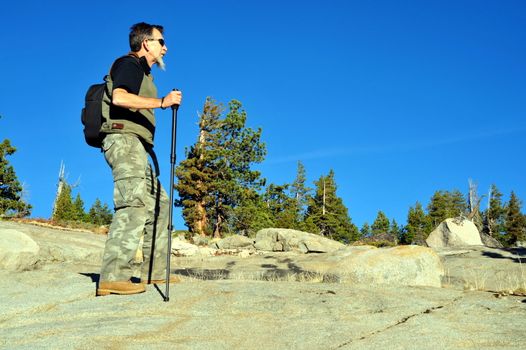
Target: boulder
x: 401, y: 265
x: 318, y: 245
x: 182, y: 248
x: 18, y: 251
x: 200, y: 240
x: 489, y: 241
x: 234, y: 242
x: 456, y: 232
x: 267, y: 245
x: 278, y: 239
x: 206, y: 251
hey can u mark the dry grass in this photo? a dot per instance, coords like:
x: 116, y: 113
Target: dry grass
x: 207, y: 275
x: 511, y: 283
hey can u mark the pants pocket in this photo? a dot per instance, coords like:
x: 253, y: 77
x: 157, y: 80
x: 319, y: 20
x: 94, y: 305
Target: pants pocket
x: 129, y: 192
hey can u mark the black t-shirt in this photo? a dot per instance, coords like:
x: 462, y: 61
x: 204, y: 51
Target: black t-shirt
x: 127, y: 73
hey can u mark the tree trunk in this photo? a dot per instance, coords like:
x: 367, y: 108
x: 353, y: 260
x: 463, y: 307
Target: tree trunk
x: 217, y: 230
x: 202, y: 220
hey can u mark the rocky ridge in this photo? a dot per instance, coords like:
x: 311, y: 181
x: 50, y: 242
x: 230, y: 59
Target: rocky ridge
x: 229, y: 299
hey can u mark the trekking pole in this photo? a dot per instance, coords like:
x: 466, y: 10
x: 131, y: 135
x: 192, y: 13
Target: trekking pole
x: 170, y: 212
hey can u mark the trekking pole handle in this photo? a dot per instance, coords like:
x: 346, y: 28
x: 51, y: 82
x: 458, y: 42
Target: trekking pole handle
x: 175, y: 107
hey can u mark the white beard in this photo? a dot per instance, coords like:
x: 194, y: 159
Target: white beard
x: 160, y: 63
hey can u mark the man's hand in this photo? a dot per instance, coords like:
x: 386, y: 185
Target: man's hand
x: 173, y: 98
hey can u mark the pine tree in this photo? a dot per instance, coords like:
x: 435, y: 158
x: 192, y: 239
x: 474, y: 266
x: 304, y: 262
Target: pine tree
x: 437, y: 208
x: 418, y: 226
x: 365, y: 231
x: 99, y: 214
x: 326, y: 213
x: 195, y: 173
x: 216, y: 176
x: 444, y: 205
x: 78, y: 209
x: 279, y: 206
x: 514, y: 225
x: 251, y: 215
x: 64, y: 210
x: 299, y: 195
x: 456, y: 204
x: 394, y: 231
x: 380, y: 225
x: 106, y: 215
x: 94, y: 211
x: 381, y: 231
x: 495, y: 215
x: 11, y: 202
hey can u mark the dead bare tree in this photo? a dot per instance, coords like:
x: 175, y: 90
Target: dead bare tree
x: 60, y: 185
x: 474, y: 205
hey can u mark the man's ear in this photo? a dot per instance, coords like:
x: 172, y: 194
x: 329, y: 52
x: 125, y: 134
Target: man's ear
x: 145, y: 45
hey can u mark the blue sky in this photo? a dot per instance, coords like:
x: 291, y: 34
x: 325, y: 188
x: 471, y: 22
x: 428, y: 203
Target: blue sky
x: 399, y: 98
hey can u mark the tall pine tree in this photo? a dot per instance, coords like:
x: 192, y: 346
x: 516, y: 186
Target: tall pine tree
x: 418, y: 226
x: 299, y: 194
x: 514, y: 225
x: 380, y: 225
x: 280, y: 206
x: 78, y: 209
x: 365, y: 231
x: 326, y: 213
x: 251, y: 215
x: 382, y: 231
x: 11, y: 202
x: 99, y: 214
x: 195, y: 173
x: 444, y: 205
x: 394, y: 231
x: 64, y: 210
x: 495, y: 214
x: 216, y: 176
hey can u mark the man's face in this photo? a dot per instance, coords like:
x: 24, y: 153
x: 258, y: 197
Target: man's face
x: 157, y: 48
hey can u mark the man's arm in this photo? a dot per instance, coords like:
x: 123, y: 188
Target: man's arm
x: 123, y: 98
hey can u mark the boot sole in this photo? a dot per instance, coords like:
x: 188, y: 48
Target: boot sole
x: 103, y: 292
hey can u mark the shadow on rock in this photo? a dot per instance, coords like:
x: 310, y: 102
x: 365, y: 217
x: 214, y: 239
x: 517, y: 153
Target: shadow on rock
x: 513, y: 254
x: 204, y: 274
x: 94, y: 276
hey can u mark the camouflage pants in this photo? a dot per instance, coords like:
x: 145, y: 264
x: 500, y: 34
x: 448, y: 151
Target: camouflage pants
x: 141, y: 211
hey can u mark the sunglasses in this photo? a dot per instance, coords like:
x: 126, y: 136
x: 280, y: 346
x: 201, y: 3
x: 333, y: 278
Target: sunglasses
x: 161, y: 41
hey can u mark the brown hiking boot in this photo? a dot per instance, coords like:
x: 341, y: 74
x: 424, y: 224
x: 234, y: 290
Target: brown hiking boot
x: 173, y: 279
x: 122, y: 287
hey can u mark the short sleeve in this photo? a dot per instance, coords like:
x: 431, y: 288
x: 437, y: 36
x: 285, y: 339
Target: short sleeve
x: 127, y: 74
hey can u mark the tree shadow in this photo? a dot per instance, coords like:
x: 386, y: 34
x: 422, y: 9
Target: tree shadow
x: 204, y: 274
x: 518, y: 254
x: 518, y: 251
x: 291, y: 271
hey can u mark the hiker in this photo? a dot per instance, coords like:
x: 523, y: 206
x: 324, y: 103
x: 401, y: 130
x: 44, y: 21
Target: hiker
x: 141, y: 204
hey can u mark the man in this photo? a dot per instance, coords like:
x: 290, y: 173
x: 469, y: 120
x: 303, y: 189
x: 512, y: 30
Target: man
x: 141, y: 204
